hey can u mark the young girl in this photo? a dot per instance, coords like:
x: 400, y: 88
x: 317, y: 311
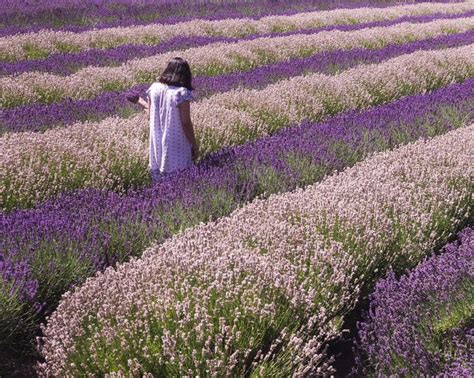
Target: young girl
x: 173, y: 145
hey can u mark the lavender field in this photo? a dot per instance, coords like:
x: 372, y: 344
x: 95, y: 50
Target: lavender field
x: 332, y: 203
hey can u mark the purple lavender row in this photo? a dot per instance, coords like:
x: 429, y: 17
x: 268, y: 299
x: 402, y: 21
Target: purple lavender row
x: 69, y: 63
x: 65, y: 240
x: 82, y: 18
x: 40, y: 117
x: 422, y: 324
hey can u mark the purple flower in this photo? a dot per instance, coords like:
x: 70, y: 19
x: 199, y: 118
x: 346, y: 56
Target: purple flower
x: 68, y: 63
x: 421, y: 324
x: 38, y: 117
x: 77, y: 16
x: 17, y: 279
x: 133, y: 98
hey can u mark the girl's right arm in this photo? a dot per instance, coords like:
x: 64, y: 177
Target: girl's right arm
x: 144, y: 104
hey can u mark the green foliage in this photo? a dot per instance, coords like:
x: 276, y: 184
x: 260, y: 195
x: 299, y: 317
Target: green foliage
x: 35, y: 52
x: 11, y: 100
x: 459, y: 313
x: 48, y: 95
x: 65, y: 47
x: 151, y: 40
x: 282, y: 28
x: 18, y: 318
x: 308, y: 171
x: 56, y: 269
x: 146, y: 76
x: 214, y: 68
x: 113, y: 85
x: 108, y: 42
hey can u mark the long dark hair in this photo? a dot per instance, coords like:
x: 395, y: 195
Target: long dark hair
x: 177, y: 73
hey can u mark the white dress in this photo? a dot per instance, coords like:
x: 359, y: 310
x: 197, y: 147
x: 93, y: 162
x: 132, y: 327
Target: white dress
x: 170, y: 150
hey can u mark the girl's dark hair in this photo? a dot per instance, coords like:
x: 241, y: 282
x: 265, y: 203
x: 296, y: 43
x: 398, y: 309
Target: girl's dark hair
x: 177, y: 73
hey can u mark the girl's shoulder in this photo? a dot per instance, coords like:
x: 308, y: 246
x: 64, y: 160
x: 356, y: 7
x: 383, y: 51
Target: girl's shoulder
x: 154, y: 88
x: 183, y: 94
x: 175, y: 93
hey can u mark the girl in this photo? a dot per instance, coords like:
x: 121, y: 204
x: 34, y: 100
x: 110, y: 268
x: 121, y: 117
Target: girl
x: 173, y: 144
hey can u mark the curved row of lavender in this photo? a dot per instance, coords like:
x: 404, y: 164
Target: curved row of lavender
x: 69, y: 63
x: 422, y: 323
x: 262, y: 292
x: 214, y: 59
x: 40, y: 117
x: 46, y: 42
x: 65, y: 240
x: 27, y: 17
x: 112, y: 154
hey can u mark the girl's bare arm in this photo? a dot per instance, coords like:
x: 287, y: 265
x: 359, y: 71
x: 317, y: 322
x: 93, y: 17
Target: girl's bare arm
x: 188, y: 128
x: 144, y: 104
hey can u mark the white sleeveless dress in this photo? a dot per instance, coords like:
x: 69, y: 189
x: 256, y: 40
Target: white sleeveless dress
x: 170, y: 150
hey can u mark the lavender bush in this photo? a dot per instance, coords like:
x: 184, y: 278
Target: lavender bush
x: 18, y: 296
x: 77, y: 16
x: 423, y: 323
x: 261, y: 292
x: 69, y: 63
x: 66, y: 240
x: 214, y: 59
x: 39, y: 117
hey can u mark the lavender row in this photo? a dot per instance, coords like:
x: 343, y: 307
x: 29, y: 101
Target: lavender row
x: 262, y: 291
x: 46, y: 42
x: 39, y: 117
x: 59, y: 15
x: 65, y: 240
x: 421, y: 324
x: 69, y: 63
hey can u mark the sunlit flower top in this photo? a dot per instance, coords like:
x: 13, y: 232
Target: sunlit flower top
x: 170, y: 150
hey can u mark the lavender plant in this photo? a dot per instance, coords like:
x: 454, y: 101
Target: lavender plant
x: 67, y: 63
x: 67, y: 239
x: 262, y: 291
x: 40, y: 117
x: 423, y: 322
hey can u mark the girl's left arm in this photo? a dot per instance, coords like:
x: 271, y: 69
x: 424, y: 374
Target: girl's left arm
x: 188, y: 128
